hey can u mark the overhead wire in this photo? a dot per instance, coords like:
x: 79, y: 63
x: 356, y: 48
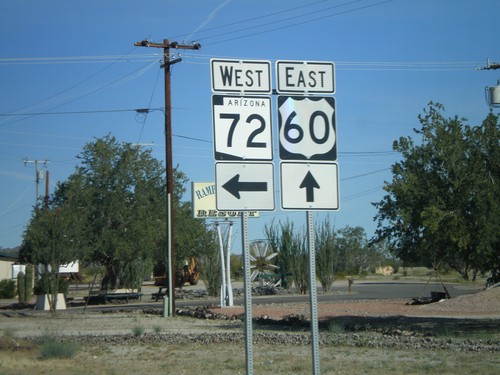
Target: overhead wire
x: 86, y: 79
x: 149, y: 104
x: 260, y: 17
x: 297, y: 23
x: 112, y: 59
x: 115, y: 81
x: 301, y: 15
x: 361, y: 194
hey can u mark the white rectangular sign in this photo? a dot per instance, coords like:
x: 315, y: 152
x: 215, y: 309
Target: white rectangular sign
x: 236, y: 76
x: 309, y: 186
x: 244, y: 186
x: 307, y: 77
x: 203, y: 199
x: 242, y: 127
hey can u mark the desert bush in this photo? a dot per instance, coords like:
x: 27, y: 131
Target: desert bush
x: 53, y: 347
x: 138, y: 330
x: 7, y: 289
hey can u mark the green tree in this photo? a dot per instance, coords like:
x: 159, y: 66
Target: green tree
x: 116, y: 210
x: 50, y: 241
x: 210, y: 268
x: 326, y: 254
x: 281, y: 239
x: 122, y: 201
x: 353, y: 251
x: 443, y: 202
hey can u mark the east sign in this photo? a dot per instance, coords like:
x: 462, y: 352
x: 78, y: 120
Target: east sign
x: 307, y: 77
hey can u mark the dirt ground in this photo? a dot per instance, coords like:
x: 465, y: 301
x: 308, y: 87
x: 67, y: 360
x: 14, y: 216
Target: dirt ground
x: 29, y: 323
x: 143, y: 342
x: 484, y: 304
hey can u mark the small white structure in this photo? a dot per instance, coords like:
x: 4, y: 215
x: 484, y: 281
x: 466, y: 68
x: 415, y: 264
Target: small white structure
x: 8, y: 264
x: 42, y: 302
x: 493, y: 95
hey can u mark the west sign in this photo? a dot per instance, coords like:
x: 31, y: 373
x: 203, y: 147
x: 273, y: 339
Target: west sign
x: 235, y: 76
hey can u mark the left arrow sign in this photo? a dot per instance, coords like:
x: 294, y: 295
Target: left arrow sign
x: 244, y: 186
x: 235, y: 186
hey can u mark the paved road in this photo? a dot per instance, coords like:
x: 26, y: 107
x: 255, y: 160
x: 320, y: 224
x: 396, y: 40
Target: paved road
x: 375, y: 290
x: 371, y: 290
x: 359, y: 290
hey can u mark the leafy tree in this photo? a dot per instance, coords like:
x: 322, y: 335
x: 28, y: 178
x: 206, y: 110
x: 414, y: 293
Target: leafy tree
x: 299, y: 261
x: 50, y: 241
x: 326, y: 254
x: 122, y: 201
x: 443, y: 202
x: 116, y: 209
x: 353, y: 251
x: 281, y: 239
x: 210, y: 265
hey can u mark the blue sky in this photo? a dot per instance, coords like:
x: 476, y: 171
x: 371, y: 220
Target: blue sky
x: 69, y: 72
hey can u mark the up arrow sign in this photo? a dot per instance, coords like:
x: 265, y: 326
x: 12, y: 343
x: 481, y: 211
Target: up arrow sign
x: 234, y: 186
x: 309, y: 183
x: 319, y: 180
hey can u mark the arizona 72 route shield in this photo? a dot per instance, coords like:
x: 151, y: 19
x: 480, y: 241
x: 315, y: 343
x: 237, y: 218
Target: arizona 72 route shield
x: 242, y: 127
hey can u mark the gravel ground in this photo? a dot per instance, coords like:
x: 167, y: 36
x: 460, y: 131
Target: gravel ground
x: 387, y: 324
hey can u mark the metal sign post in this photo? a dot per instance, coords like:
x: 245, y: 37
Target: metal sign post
x: 248, y: 293
x: 313, y: 294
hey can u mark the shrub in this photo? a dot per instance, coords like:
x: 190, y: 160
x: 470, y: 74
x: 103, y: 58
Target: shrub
x: 7, y: 289
x: 45, y: 286
x: 21, y: 287
x: 52, y: 347
x: 138, y: 330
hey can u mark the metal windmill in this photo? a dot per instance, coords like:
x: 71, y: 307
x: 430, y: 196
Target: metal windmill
x: 261, y: 255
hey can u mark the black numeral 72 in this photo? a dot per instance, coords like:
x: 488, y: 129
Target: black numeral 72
x: 236, y: 119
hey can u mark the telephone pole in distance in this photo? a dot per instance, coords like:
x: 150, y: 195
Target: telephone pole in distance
x: 38, y: 173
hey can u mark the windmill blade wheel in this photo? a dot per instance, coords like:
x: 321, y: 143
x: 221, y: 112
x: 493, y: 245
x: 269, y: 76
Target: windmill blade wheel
x: 262, y: 265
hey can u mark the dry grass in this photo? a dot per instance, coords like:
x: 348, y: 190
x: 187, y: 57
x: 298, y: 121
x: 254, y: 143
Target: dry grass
x: 20, y: 356
x: 230, y: 359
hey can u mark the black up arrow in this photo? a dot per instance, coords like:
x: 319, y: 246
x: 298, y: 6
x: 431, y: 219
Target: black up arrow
x: 310, y: 184
x: 234, y: 186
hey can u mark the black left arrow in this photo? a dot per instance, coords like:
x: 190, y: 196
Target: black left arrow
x: 234, y: 186
x: 309, y: 183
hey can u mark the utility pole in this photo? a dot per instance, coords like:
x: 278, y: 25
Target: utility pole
x: 38, y: 173
x: 490, y: 66
x: 166, y: 45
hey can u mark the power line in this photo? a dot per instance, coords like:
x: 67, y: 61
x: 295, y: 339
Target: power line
x: 149, y: 103
x: 365, y: 174
x: 111, y: 59
x: 69, y: 88
x: 302, y: 15
x: 361, y: 194
x: 298, y: 23
x: 88, y: 93
x: 252, y: 19
x: 73, y: 112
